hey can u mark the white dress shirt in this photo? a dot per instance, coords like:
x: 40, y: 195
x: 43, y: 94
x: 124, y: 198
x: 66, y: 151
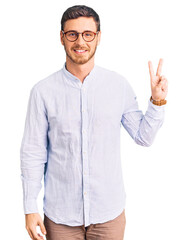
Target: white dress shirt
x: 72, y: 138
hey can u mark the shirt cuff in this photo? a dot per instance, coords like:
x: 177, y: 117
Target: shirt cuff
x: 30, y: 206
x: 155, y: 111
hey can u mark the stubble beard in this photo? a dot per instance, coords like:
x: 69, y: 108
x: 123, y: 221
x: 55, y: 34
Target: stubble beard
x: 80, y: 59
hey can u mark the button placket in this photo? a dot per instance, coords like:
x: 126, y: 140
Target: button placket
x: 85, y: 152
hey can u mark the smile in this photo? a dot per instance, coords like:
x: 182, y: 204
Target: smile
x: 78, y: 51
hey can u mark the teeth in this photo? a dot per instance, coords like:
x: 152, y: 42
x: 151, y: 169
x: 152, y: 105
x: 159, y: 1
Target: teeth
x: 80, y: 50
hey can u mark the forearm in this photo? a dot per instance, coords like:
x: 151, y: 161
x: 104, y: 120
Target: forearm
x: 149, y: 125
x: 143, y: 128
x: 33, y: 156
x: 31, y: 183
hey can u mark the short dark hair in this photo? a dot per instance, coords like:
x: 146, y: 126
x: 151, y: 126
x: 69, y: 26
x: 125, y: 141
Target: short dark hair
x: 79, y: 11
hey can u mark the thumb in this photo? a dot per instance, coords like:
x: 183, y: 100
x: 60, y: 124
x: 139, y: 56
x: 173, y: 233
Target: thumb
x: 42, y: 227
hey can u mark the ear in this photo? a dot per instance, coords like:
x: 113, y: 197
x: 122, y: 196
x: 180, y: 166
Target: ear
x: 61, y: 38
x: 99, y: 38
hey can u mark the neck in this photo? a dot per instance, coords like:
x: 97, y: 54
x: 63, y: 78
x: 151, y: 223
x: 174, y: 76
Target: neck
x: 80, y: 70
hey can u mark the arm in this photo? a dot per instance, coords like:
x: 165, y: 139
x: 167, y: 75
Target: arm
x: 143, y: 128
x: 33, y: 156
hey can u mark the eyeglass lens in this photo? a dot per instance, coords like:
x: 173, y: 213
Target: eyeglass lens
x: 87, y: 36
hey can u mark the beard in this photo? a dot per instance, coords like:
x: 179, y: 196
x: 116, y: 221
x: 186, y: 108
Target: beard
x: 80, y: 59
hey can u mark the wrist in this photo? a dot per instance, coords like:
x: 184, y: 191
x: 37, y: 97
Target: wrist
x: 158, y: 102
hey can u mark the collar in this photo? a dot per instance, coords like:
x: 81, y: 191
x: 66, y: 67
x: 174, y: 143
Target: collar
x: 74, y: 79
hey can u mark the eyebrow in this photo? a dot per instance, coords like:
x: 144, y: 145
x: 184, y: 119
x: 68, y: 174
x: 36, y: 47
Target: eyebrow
x: 77, y: 31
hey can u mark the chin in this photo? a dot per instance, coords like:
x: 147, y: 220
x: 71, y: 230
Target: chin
x: 79, y: 61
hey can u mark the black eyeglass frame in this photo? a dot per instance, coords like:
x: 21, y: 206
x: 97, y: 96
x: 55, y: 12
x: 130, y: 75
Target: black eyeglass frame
x: 82, y: 33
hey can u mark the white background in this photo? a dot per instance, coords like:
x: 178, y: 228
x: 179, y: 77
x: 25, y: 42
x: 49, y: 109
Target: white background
x: 133, y: 32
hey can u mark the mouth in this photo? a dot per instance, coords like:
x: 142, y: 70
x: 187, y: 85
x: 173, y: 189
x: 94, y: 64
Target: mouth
x: 80, y: 51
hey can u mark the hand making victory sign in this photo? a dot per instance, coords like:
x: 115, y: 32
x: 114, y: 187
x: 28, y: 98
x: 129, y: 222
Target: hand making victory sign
x: 159, y: 84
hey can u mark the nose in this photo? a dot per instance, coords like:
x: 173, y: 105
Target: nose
x: 80, y: 39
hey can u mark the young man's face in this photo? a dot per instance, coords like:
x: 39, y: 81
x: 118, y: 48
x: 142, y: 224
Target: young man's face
x: 80, y: 24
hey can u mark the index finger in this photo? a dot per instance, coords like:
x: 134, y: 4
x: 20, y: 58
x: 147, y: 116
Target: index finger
x: 159, y: 69
x: 151, y: 69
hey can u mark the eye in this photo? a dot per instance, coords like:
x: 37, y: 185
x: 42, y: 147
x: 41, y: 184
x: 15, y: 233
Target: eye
x: 88, y: 34
x: 71, y: 34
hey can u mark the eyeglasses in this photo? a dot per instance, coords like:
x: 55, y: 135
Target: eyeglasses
x: 72, y: 36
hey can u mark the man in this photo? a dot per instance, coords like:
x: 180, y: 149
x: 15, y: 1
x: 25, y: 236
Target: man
x: 72, y: 138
